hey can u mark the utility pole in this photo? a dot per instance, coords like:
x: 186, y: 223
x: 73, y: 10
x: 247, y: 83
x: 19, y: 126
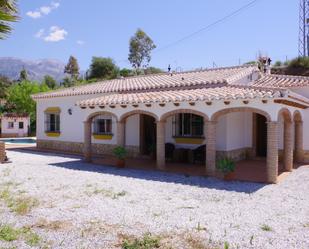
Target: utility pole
x: 303, y: 40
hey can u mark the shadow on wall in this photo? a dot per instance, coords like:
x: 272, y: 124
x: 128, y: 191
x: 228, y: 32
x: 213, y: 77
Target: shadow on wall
x: 77, y: 163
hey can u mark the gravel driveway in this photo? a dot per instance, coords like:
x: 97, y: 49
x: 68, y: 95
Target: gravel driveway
x: 72, y: 204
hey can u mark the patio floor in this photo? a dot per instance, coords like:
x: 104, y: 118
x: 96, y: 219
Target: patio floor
x: 247, y: 170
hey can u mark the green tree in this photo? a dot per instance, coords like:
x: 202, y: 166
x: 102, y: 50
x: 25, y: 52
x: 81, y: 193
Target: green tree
x: 72, y: 68
x: 50, y: 81
x: 19, y: 98
x: 23, y: 75
x: 4, y: 85
x: 126, y: 72
x: 8, y: 14
x: 141, y: 46
x: 68, y: 82
x: 103, y: 68
x: 152, y: 70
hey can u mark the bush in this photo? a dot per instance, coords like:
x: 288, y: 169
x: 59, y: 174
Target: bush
x: 300, y: 62
x: 147, y: 242
x: 120, y: 152
x: 226, y: 165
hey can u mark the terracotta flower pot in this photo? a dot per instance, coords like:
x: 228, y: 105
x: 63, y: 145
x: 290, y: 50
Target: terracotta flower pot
x: 229, y: 176
x: 120, y: 163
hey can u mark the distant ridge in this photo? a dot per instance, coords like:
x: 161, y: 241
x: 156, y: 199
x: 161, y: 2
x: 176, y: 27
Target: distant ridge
x: 36, y: 69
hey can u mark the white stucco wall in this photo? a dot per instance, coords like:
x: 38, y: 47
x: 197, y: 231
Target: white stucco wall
x: 305, y: 115
x: 132, y: 130
x: 234, y: 130
x: 15, y: 130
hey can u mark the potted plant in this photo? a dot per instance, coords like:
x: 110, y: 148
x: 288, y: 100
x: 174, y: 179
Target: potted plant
x: 227, y: 167
x: 120, y: 153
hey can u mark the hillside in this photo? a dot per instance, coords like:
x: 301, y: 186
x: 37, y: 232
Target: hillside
x: 37, y: 69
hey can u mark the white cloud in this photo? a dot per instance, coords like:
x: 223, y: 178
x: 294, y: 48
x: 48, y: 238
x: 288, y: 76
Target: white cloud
x: 80, y: 42
x: 44, y: 10
x: 34, y: 14
x: 55, y: 34
x: 40, y: 33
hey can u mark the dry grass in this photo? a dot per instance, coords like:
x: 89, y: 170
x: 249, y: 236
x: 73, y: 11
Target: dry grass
x: 185, y: 240
x: 52, y: 225
x: 110, y: 193
x: 18, y: 203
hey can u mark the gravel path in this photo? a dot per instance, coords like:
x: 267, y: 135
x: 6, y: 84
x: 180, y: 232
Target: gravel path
x: 79, y: 205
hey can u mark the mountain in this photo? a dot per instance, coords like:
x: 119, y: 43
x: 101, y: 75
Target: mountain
x: 36, y: 69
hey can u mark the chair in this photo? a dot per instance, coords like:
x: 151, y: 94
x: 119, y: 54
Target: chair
x: 169, y: 151
x: 199, y: 154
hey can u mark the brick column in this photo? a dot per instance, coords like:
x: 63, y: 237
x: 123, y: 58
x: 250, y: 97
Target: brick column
x: 160, y: 145
x: 210, y: 132
x: 288, y: 146
x: 2, y: 152
x: 299, y: 150
x: 272, y: 152
x: 87, y: 141
x: 121, y: 133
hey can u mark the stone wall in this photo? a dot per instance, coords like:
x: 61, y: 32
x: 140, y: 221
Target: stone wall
x: 73, y: 147
x: 236, y: 155
x: 306, y: 156
x: 9, y: 135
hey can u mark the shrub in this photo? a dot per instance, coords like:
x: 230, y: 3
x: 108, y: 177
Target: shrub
x: 147, y: 242
x: 226, y: 165
x: 120, y: 152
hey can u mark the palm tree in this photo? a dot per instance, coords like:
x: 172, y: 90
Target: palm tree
x: 8, y: 13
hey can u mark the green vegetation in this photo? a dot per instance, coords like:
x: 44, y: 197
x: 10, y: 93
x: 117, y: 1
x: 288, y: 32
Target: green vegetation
x: 23, y: 76
x: 120, y: 152
x: 8, y: 14
x: 50, y: 82
x: 266, y: 228
x: 226, y: 165
x: 72, y: 68
x: 147, y: 242
x: 9, y: 233
x: 103, y: 68
x: 110, y: 193
x: 19, y: 98
x: 140, y: 48
x: 19, y: 204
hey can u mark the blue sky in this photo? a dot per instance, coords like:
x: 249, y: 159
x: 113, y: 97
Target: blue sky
x: 59, y: 28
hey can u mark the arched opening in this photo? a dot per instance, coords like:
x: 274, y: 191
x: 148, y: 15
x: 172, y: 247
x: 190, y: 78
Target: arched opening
x: 298, y: 138
x: 140, y: 133
x: 184, y: 143
x: 100, y: 134
x: 242, y: 135
x: 285, y: 130
x: 259, y: 135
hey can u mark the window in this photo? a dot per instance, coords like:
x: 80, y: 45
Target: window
x: 102, y: 125
x: 10, y: 125
x: 21, y: 125
x: 188, y: 125
x: 52, y: 122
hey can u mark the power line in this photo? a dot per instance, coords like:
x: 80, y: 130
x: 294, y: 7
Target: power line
x: 248, y: 5
x: 221, y: 20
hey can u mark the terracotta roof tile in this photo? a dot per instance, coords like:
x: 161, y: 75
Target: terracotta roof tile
x: 203, y: 94
x: 282, y: 81
x: 158, y: 81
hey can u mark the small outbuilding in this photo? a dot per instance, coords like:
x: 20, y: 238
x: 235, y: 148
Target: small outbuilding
x: 14, y: 125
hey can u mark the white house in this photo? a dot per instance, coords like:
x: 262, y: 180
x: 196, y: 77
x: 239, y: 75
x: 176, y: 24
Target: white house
x: 237, y: 112
x: 14, y: 125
